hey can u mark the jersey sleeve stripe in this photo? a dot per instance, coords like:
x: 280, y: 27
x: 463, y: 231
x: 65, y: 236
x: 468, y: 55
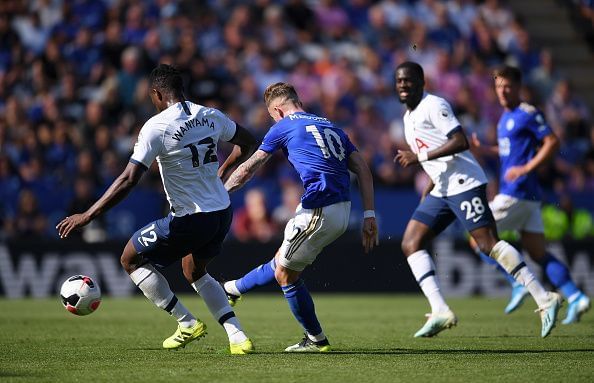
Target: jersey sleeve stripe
x: 453, y: 131
x: 237, y: 127
x: 136, y: 162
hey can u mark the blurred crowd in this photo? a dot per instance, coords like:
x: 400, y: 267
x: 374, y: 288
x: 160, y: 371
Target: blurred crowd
x: 73, y: 90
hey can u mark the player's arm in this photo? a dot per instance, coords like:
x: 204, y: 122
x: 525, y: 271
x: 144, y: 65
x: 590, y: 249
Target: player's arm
x: 548, y: 148
x: 476, y: 144
x: 246, y: 170
x: 370, y: 232
x: 118, y: 190
x: 456, y: 143
x: 245, y: 144
x: 427, y: 189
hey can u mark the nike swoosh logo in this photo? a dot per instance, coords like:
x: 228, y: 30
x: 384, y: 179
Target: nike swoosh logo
x: 475, y: 219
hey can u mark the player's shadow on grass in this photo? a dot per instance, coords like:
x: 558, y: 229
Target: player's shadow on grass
x: 510, y: 336
x: 406, y: 351
x: 12, y: 374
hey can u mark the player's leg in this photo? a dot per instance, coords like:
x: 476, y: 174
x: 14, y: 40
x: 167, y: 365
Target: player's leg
x: 415, y: 238
x: 512, y: 261
x: 259, y: 276
x: 558, y: 274
x: 472, y: 209
x: 135, y: 260
x: 303, y: 308
x: 194, y: 269
x: 518, y: 292
x: 509, y: 215
x: 305, y: 237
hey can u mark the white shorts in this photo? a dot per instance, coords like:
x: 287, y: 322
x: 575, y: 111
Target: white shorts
x: 309, y: 231
x: 516, y: 214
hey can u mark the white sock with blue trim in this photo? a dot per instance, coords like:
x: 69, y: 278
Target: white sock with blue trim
x: 512, y: 261
x: 216, y: 300
x: 155, y: 287
x: 423, y: 269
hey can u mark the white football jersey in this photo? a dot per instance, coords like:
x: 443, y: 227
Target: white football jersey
x: 185, y: 146
x: 426, y: 128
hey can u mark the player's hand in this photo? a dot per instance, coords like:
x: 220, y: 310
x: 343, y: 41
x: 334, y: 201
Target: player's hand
x: 514, y: 173
x: 370, y: 234
x: 406, y: 158
x: 474, y: 141
x: 70, y: 223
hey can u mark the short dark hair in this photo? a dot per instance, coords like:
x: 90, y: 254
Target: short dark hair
x: 167, y: 79
x: 509, y: 73
x: 413, y: 67
x: 281, y: 90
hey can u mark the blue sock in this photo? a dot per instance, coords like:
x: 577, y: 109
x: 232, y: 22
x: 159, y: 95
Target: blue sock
x: 260, y: 276
x: 558, y: 274
x: 493, y: 262
x: 302, y: 306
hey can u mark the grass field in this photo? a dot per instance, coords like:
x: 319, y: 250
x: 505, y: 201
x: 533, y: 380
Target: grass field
x: 371, y: 336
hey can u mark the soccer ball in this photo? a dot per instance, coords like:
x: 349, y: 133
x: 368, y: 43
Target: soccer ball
x: 80, y: 295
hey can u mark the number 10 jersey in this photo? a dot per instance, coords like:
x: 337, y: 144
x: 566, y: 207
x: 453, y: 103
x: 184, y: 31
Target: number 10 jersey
x: 319, y: 152
x: 183, y: 139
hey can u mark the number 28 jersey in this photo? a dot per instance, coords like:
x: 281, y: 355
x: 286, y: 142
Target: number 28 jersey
x: 183, y: 139
x: 427, y: 127
x: 319, y: 152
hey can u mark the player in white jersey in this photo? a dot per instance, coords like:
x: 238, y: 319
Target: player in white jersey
x: 183, y: 138
x: 457, y: 190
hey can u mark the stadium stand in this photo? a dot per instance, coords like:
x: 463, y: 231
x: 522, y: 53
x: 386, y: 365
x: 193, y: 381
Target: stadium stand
x: 73, y: 91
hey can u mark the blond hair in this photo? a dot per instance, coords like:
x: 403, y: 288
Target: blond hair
x: 281, y: 90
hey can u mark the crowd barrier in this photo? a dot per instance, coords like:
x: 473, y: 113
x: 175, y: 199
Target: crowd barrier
x: 36, y: 269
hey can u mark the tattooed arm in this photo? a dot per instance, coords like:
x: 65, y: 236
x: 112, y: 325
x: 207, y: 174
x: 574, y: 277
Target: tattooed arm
x: 246, y: 171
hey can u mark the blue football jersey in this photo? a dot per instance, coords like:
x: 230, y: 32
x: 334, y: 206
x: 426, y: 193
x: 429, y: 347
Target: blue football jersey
x: 319, y: 152
x: 519, y: 133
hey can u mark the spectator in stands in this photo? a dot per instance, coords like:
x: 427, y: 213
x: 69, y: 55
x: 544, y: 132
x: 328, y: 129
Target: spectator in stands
x: 544, y: 77
x: 28, y: 221
x: 291, y: 198
x: 75, y: 67
x: 253, y: 221
x: 84, y: 197
x: 567, y: 114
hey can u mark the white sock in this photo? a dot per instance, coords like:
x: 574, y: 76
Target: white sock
x: 574, y: 296
x: 512, y: 261
x: 231, y: 288
x: 423, y: 269
x: 216, y: 300
x: 183, y: 316
x: 317, y: 338
x: 154, y: 286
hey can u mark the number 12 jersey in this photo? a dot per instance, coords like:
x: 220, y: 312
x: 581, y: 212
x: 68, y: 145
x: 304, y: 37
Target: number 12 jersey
x: 183, y: 139
x: 319, y: 152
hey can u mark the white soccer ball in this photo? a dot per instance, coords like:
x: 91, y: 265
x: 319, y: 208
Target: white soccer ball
x: 80, y: 295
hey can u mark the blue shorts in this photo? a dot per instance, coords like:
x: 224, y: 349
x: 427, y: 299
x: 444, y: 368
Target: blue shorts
x: 168, y: 239
x: 470, y: 207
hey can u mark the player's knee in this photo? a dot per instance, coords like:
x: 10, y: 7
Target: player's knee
x: 485, y: 245
x: 130, y: 258
x: 128, y: 263
x: 281, y: 276
x: 285, y: 277
x: 192, y: 271
x: 410, y: 245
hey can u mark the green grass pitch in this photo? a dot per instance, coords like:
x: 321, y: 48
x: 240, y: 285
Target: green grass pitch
x: 371, y: 336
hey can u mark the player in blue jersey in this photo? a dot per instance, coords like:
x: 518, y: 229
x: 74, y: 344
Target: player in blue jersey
x: 525, y: 141
x: 322, y: 155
